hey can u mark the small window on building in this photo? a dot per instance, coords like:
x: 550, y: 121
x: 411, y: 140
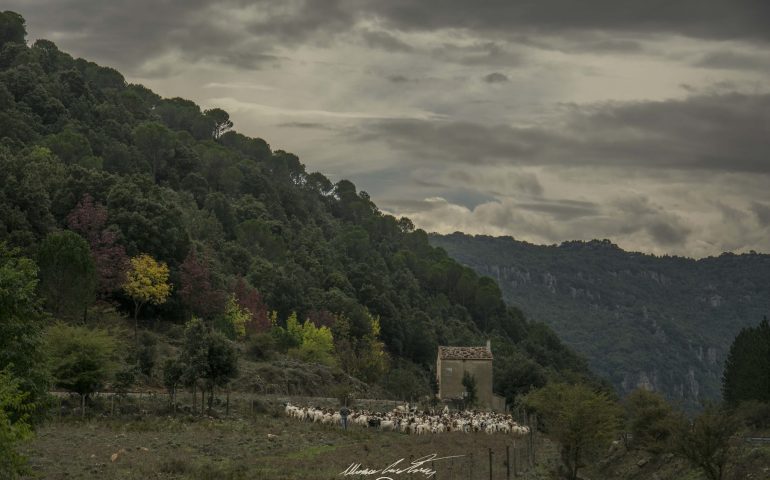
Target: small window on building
x: 448, y: 370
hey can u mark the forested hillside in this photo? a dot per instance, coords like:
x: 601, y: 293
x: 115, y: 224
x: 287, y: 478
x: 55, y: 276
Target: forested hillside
x: 96, y: 172
x: 660, y: 322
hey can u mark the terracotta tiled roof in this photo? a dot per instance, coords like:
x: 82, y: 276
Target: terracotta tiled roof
x: 464, y: 353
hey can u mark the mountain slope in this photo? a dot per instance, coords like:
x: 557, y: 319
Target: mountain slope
x: 661, y: 322
x: 167, y: 179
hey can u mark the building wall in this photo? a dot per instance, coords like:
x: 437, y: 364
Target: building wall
x: 450, y: 379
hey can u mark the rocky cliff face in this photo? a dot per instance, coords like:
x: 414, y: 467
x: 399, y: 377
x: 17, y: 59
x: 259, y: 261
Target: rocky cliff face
x: 661, y: 323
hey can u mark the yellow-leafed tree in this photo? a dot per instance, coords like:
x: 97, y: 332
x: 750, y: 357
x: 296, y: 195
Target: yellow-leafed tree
x: 146, y: 282
x: 236, y: 317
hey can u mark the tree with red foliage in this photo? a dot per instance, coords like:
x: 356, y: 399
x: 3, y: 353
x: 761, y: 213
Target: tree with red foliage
x: 322, y: 318
x: 249, y: 298
x: 196, y: 287
x: 89, y: 219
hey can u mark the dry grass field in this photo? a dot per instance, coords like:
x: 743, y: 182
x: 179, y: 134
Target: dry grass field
x: 265, y: 445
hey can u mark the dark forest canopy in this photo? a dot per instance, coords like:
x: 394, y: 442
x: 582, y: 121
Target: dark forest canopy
x: 83, y: 150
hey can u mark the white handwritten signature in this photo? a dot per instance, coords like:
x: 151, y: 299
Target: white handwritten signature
x: 416, y: 467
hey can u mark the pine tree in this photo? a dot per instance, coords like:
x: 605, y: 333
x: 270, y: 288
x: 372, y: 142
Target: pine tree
x: 747, y: 368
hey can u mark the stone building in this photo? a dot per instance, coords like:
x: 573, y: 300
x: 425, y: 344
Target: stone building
x: 453, y: 362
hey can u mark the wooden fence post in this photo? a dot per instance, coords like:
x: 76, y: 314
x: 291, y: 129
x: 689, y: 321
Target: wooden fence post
x: 514, y: 457
x: 508, y: 462
x: 532, y: 429
x: 490, y: 464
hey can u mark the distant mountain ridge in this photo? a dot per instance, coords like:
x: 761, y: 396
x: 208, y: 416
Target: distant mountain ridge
x: 664, y: 323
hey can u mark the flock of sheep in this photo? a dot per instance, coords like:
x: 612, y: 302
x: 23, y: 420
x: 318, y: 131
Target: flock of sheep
x: 406, y: 420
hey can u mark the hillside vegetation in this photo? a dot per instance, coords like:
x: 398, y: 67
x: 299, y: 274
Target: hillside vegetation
x: 664, y: 323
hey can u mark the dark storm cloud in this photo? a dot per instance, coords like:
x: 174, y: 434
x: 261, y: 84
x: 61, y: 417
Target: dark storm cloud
x: 719, y: 19
x: 495, y: 77
x: 237, y: 32
x: 245, y: 33
x: 726, y: 132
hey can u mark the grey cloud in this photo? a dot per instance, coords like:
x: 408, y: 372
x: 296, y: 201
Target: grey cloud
x: 468, y: 198
x: 400, y: 79
x: 727, y: 132
x: 495, y: 77
x: 408, y: 205
x: 732, y: 60
x: 588, y: 41
x: 307, y: 125
x: 241, y: 33
x: 245, y: 33
x: 384, y: 40
x: 610, y: 45
x: 429, y: 183
x: 720, y: 19
x: 524, y: 182
x: 563, y: 209
x: 516, y: 183
x: 460, y: 176
x: 667, y: 234
x: 762, y: 211
x: 480, y: 53
x: 637, y: 213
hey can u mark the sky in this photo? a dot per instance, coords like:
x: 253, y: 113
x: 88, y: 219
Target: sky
x: 643, y: 122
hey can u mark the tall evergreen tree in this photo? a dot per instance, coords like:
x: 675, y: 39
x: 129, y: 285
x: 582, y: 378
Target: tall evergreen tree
x: 747, y: 368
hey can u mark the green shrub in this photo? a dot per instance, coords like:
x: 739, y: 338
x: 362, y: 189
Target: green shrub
x: 14, y: 425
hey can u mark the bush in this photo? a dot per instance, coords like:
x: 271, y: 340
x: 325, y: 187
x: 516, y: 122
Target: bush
x: 754, y: 414
x: 345, y: 394
x: 705, y: 442
x: 124, y: 380
x: 648, y: 419
x: 146, y: 353
x: 261, y: 346
x: 582, y: 420
x: 81, y: 359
